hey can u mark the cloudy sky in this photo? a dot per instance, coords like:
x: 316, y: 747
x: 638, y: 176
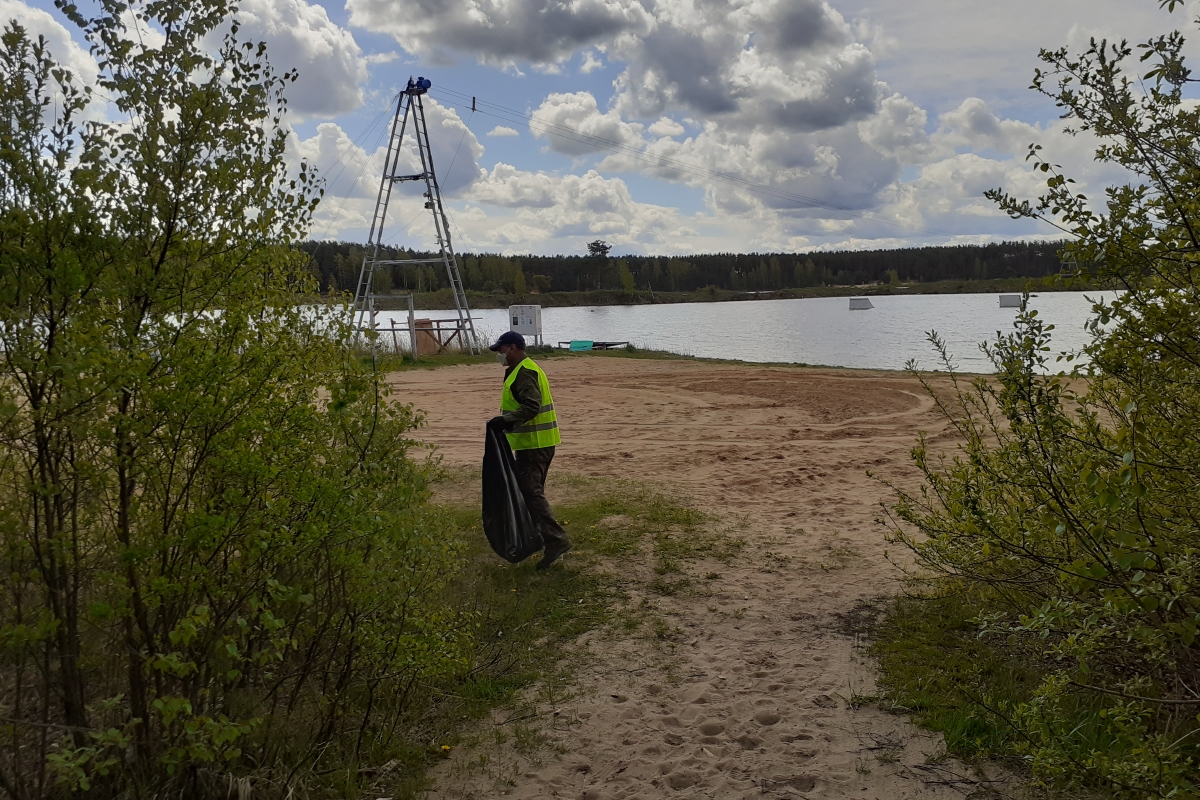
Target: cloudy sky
x: 730, y: 125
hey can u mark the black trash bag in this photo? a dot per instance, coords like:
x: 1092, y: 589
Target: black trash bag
x: 506, y: 521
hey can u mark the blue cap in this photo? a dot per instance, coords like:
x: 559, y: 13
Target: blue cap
x: 509, y: 337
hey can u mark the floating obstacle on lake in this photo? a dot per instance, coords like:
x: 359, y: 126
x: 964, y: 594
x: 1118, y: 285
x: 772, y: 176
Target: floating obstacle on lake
x: 1010, y: 301
x: 584, y: 345
x: 860, y: 303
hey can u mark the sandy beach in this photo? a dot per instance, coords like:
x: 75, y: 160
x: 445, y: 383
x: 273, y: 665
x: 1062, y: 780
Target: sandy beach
x: 761, y: 703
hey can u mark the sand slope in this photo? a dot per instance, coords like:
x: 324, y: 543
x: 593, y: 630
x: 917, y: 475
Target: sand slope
x: 758, y: 701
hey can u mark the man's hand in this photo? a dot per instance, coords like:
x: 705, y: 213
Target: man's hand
x: 498, y: 422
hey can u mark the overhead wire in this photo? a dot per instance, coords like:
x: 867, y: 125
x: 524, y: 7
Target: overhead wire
x: 346, y: 196
x: 449, y: 169
x: 352, y: 143
x: 461, y: 139
x: 454, y: 158
x: 530, y: 121
x: 466, y: 129
x: 402, y: 230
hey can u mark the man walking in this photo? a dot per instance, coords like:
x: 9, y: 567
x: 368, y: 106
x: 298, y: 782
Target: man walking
x: 531, y: 425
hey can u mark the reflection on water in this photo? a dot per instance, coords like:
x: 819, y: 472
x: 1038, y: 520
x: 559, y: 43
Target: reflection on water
x: 812, y: 331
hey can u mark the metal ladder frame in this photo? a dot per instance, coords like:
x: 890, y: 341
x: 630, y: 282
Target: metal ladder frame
x: 364, y: 311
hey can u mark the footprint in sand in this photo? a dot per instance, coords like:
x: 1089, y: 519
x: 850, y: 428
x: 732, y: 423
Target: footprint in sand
x: 683, y: 779
x: 748, y: 741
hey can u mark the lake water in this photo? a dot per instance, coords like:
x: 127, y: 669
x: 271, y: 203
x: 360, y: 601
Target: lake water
x: 811, y: 331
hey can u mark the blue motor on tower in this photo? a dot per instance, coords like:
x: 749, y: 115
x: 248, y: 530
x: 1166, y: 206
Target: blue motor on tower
x: 419, y: 86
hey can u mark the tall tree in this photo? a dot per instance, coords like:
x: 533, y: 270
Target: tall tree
x: 1072, y: 521
x: 598, y: 259
x: 599, y: 249
x: 200, y: 494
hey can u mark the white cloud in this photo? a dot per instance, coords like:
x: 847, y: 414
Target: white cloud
x: 973, y: 125
x: 843, y: 184
x: 667, y: 127
x: 940, y: 51
x: 508, y: 186
x: 779, y: 83
x: 574, y: 206
x: 332, y: 68
x: 875, y: 36
x: 575, y: 126
x: 590, y: 62
x: 349, y: 171
x: 898, y: 130
x: 502, y: 130
x: 784, y: 96
x: 500, y: 31
x: 791, y: 64
x: 513, y: 210
x: 741, y: 169
x: 948, y: 194
x: 331, y: 65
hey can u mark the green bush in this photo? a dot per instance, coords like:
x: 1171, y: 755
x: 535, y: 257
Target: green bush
x: 218, y: 561
x: 1071, y: 518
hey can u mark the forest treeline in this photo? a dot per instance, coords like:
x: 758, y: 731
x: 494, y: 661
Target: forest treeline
x: 337, y: 266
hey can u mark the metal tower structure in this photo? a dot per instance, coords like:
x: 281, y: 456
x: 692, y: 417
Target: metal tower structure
x: 410, y: 110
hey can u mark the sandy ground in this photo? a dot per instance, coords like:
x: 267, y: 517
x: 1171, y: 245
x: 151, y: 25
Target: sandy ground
x: 755, y: 701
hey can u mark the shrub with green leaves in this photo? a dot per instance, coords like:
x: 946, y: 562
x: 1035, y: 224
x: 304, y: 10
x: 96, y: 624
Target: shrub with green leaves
x: 217, y: 559
x: 1071, y: 518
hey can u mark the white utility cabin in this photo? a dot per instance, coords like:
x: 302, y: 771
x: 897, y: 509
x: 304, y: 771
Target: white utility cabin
x: 527, y: 321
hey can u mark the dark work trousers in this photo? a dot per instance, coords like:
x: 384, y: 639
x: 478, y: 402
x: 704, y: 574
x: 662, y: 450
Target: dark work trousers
x: 532, y: 466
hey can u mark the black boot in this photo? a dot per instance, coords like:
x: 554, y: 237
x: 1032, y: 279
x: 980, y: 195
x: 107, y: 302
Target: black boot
x: 554, y: 551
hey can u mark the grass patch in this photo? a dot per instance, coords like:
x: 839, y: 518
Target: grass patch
x: 669, y: 588
x: 630, y: 351
x: 526, y: 620
x: 399, y: 363
x: 981, y: 694
x: 934, y: 667
x: 391, y: 362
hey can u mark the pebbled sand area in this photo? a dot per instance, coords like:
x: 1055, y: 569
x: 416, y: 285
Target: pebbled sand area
x: 753, y: 699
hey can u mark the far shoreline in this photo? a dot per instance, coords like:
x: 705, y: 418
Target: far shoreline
x: 396, y: 300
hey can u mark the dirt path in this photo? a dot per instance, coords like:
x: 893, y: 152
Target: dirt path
x: 758, y: 706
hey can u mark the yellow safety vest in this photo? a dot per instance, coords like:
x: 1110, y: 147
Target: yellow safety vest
x: 542, y: 430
